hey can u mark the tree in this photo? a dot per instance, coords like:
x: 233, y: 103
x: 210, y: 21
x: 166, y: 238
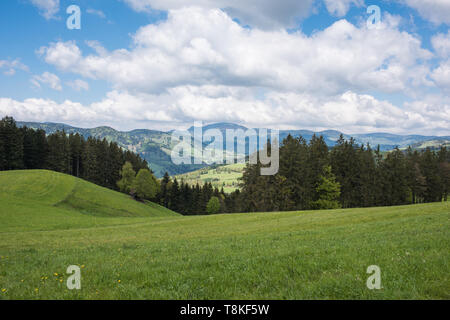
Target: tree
x: 213, y: 206
x: 328, y: 190
x: 164, y: 193
x: 145, y: 185
x: 175, y: 196
x: 128, y: 175
x: 11, y: 144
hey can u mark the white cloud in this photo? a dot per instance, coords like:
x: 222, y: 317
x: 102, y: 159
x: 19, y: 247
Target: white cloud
x: 341, y: 7
x: 97, y: 13
x: 9, y: 67
x: 199, y: 47
x: 264, y: 14
x: 50, y: 79
x: 436, y: 11
x: 441, y: 44
x: 441, y: 75
x: 65, y: 55
x: 43, y: 110
x: 78, y: 85
x: 201, y: 65
x: 349, y: 112
x: 47, y: 8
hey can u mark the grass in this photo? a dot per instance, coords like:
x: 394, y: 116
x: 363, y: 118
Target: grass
x: 285, y: 255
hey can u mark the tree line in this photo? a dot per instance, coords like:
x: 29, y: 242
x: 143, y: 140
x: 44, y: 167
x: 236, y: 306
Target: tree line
x: 91, y: 159
x: 314, y: 176
x: 348, y: 175
x: 311, y: 175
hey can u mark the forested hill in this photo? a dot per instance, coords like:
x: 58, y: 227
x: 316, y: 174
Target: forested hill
x: 155, y: 146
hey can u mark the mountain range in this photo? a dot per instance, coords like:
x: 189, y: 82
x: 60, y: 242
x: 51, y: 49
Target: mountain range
x: 155, y: 146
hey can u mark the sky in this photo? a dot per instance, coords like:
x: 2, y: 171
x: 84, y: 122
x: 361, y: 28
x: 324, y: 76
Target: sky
x: 286, y: 64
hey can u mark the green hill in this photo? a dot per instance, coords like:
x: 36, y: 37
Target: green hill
x: 50, y: 200
x: 128, y: 250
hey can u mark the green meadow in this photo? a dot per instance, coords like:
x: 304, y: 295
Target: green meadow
x: 132, y: 250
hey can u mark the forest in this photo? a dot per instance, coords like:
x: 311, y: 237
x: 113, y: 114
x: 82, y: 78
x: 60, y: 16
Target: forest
x: 311, y: 175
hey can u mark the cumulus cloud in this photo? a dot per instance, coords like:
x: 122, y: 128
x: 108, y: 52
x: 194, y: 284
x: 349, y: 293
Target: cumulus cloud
x: 436, y: 11
x: 78, y: 85
x: 441, y: 44
x: 441, y: 75
x: 47, y: 78
x: 47, y: 8
x: 202, y: 65
x: 263, y: 14
x: 341, y: 7
x: 43, y: 110
x: 198, y: 47
x: 350, y: 112
x: 9, y: 67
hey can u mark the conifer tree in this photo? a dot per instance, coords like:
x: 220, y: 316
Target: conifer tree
x: 328, y: 191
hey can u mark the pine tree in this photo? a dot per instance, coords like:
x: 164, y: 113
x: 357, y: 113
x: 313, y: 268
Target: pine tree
x: 164, y: 193
x: 175, y: 201
x: 328, y: 191
x: 12, y: 144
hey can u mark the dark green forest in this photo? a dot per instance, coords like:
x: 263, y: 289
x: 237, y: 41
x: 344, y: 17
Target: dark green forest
x: 311, y: 175
x: 91, y: 159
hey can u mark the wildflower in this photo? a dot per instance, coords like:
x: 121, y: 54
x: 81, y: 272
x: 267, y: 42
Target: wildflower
x: 3, y: 290
x: 119, y: 281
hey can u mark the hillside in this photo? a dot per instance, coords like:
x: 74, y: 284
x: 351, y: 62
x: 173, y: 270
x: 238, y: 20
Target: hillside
x: 155, y: 146
x: 226, y: 177
x: 289, y: 255
x: 47, y: 200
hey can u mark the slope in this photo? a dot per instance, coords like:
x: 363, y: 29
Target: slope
x: 46, y: 200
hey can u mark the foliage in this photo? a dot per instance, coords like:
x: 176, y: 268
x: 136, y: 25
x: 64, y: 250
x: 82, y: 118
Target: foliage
x: 365, y: 177
x: 128, y: 176
x: 94, y: 160
x: 213, y: 206
x: 145, y: 185
x: 328, y: 190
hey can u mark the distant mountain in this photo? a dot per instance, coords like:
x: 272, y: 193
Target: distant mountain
x: 222, y: 126
x: 155, y: 146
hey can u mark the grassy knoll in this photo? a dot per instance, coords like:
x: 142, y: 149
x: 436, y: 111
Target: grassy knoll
x: 288, y: 255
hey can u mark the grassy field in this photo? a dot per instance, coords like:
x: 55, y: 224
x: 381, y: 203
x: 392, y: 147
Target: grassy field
x: 128, y: 250
x: 221, y: 176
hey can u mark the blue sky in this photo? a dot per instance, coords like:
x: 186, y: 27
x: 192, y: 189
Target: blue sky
x: 310, y: 64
